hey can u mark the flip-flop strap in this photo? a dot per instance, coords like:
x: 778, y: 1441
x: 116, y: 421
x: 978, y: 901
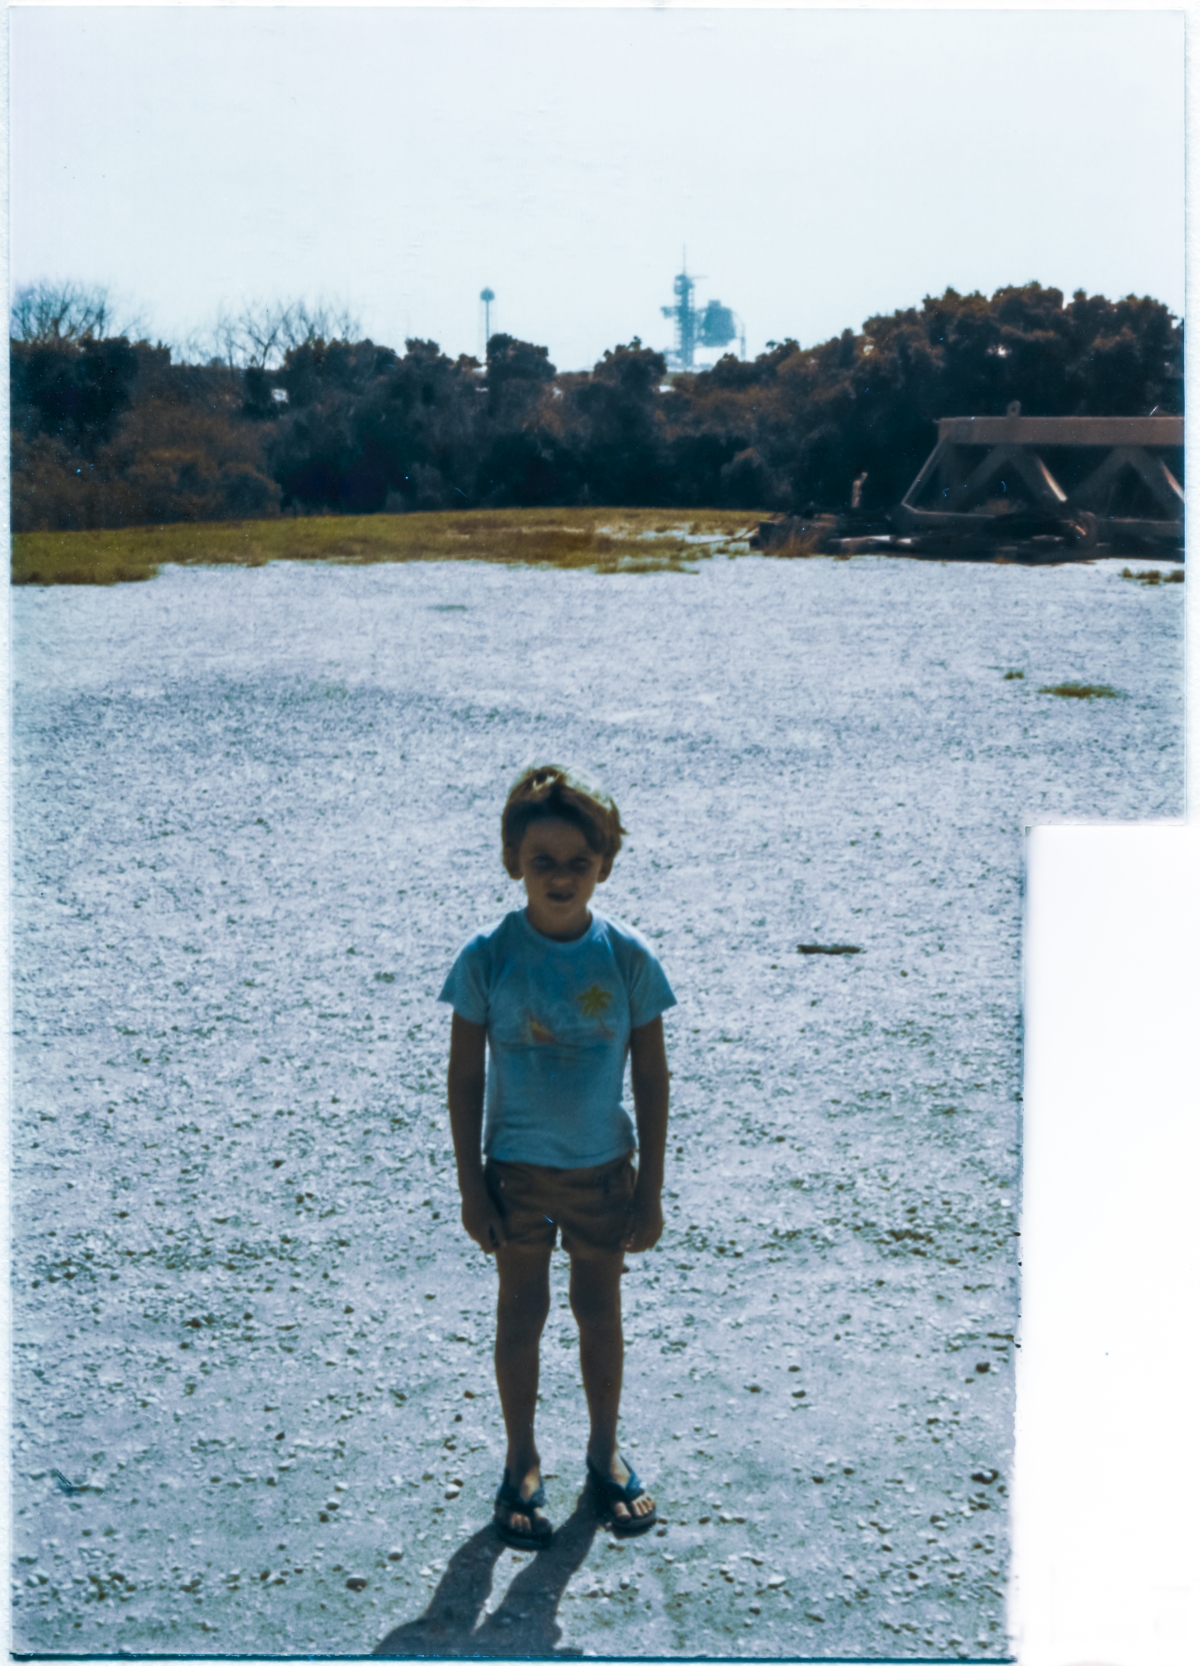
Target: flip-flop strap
x: 509, y: 1497
x: 614, y: 1492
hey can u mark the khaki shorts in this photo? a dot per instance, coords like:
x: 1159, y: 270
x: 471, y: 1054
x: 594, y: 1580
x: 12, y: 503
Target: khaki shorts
x: 590, y: 1205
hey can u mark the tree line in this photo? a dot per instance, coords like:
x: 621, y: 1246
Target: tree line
x: 295, y: 416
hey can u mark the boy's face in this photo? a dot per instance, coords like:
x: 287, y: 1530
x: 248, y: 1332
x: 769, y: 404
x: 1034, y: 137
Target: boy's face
x: 560, y: 870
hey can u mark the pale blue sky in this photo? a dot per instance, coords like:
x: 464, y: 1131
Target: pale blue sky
x: 819, y: 166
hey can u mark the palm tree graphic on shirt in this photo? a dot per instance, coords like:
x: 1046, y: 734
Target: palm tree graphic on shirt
x: 594, y: 1003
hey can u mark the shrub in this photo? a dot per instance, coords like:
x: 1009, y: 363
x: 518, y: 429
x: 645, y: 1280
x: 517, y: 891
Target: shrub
x: 1080, y: 691
x: 1153, y: 576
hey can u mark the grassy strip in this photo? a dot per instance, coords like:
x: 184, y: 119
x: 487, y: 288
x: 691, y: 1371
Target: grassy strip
x: 605, y: 540
x: 66, y: 558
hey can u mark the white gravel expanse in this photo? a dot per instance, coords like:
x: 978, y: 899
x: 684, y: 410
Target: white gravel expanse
x: 256, y: 815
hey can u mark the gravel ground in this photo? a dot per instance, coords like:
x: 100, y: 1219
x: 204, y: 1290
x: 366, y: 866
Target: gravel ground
x: 256, y: 817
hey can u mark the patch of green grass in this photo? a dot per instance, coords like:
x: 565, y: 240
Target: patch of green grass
x: 1152, y: 576
x: 48, y: 558
x: 604, y: 540
x: 1080, y: 691
x: 1014, y: 676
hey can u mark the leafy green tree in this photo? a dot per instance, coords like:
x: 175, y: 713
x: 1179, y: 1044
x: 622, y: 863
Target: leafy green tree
x: 517, y: 372
x: 621, y: 441
x: 74, y: 389
x: 366, y: 425
x: 106, y: 433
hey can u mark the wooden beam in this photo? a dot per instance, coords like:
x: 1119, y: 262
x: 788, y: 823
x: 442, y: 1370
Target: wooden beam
x: 1040, y: 481
x: 1160, y: 480
x: 934, y: 461
x: 981, y: 476
x: 981, y: 524
x: 1050, y: 431
x: 1015, y: 460
x: 1092, y: 492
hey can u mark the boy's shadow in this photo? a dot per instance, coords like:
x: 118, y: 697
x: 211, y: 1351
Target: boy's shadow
x: 525, y: 1623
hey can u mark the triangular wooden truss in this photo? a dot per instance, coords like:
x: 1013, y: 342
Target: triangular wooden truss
x: 958, y: 489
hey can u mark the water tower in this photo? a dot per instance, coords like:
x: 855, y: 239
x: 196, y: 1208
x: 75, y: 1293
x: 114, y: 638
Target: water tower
x: 487, y: 296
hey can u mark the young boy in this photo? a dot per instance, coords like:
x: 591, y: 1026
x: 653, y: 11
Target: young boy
x: 560, y: 995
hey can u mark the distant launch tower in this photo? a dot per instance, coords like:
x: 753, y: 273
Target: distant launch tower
x: 684, y: 314
x: 711, y: 326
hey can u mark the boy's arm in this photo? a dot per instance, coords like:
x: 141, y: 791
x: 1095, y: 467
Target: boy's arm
x: 651, y: 1096
x: 464, y: 1093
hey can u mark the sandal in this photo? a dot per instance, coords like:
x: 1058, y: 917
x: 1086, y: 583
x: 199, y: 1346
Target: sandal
x: 509, y: 1500
x: 608, y: 1493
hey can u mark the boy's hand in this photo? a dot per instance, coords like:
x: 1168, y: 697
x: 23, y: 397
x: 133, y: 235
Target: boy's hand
x: 645, y: 1221
x: 483, y: 1221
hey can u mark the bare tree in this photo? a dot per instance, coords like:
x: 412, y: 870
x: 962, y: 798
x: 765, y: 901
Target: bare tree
x: 261, y: 334
x: 47, y: 312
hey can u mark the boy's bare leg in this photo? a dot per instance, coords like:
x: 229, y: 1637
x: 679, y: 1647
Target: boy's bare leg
x: 521, y: 1310
x: 596, y: 1304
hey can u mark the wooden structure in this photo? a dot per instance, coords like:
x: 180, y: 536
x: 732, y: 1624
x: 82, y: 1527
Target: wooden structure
x: 1102, y: 480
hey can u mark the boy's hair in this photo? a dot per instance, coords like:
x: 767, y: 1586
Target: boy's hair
x: 547, y: 791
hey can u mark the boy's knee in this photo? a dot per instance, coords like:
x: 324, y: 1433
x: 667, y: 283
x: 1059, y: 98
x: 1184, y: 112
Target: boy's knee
x: 596, y: 1307
x: 525, y: 1308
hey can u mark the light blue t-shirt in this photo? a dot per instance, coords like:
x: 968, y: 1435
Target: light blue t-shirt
x: 558, y: 1018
